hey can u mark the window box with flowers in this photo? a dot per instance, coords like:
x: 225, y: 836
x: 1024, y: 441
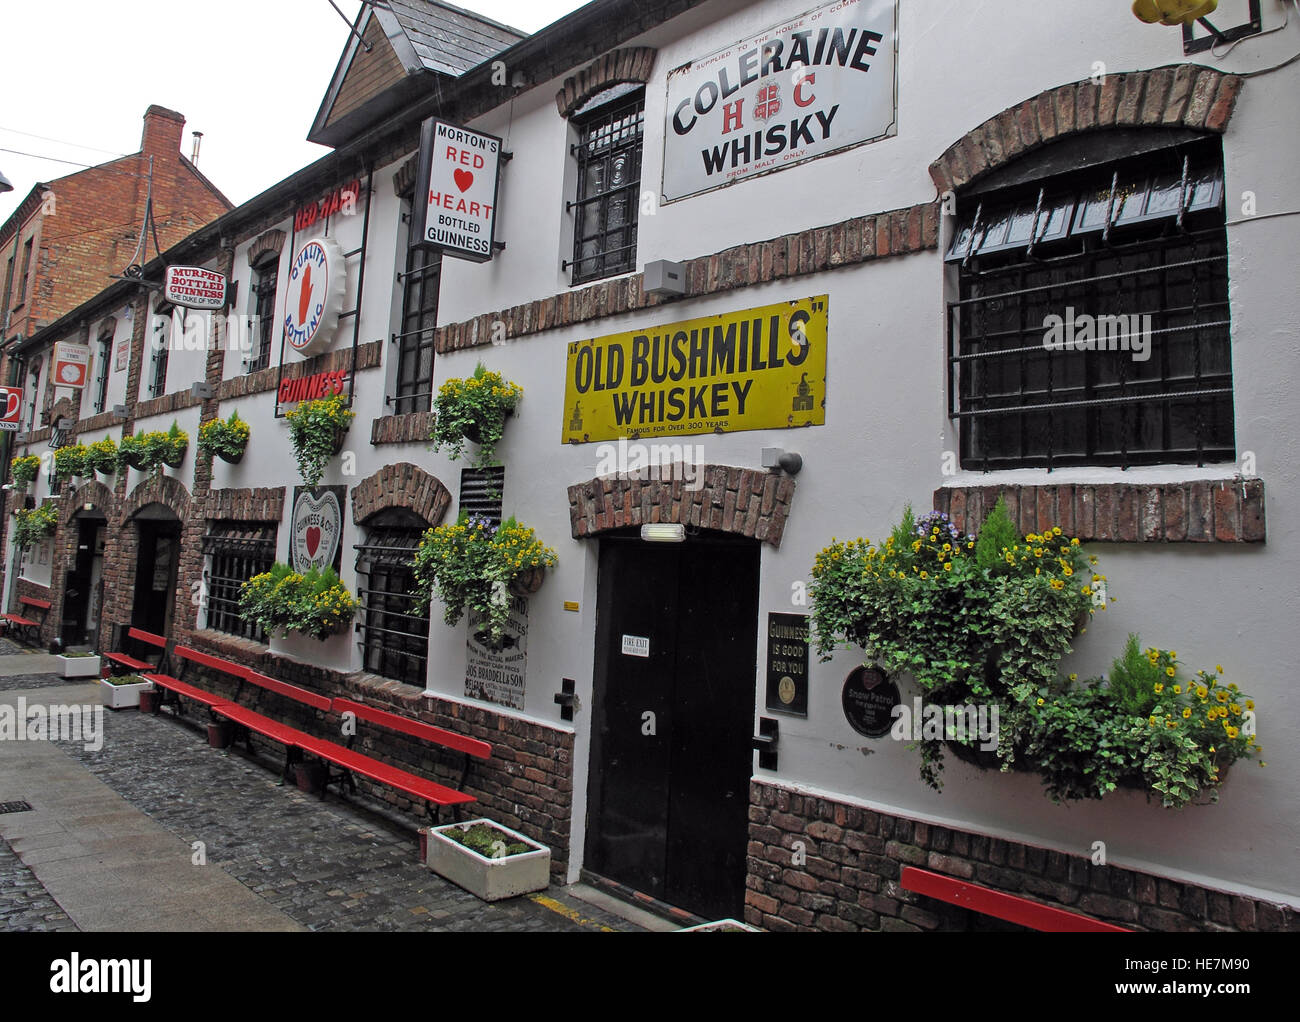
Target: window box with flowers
x: 70, y: 461
x: 24, y: 469
x: 225, y: 438
x: 474, y: 409
x: 145, y: 452
x: 473, y: 565
x: 985, y: 621
x: 101, y: 457
x: 282, y: 600
x: 317, y: 429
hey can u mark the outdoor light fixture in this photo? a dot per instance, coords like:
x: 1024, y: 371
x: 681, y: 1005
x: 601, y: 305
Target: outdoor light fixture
x: 787, y: 461
x: 201, y: 390
x: 88, y: 506
x: 119, y: 411
x: 663, y: 532
x: 5, y: 186
x: 65, y: 425
x: 663, y: 277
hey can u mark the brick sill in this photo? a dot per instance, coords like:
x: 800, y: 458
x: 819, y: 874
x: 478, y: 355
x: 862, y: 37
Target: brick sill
x: 1203, y: 510
x: 408, y: 428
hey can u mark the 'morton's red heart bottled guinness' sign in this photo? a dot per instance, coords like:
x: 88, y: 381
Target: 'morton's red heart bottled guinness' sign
x: 458, y: 172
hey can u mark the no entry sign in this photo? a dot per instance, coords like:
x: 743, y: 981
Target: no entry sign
x: 457, y: 210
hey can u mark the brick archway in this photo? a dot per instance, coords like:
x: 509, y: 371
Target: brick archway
x: 1178, y: 96
x: 631, y: 64
x: 158, y: 489
x: 93, y: 492
x: 744, y: 501
x: 401, y: 485
x: 271, y: 242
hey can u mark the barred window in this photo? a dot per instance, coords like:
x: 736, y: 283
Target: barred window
x: 394, y: 636
x: 413, y: 389
x: 105, y: 353
x: 164, y: 325
x: 609, y: 183
x: 238, y: 551
x: 1093, y: 323
x: 265, y: 278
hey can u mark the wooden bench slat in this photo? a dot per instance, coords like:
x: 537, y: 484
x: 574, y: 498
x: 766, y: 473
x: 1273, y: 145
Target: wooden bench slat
x: 264, y: 725
x: 24, y: 621
x: 415, y: 728
x: 207, y: 660
x: 430, y: 791
x: 31, y: 601
x: 129, y: 661
x: 1010, y: 907
x: 302, y: 695
x: 149, y: 637
x: 189, y: 691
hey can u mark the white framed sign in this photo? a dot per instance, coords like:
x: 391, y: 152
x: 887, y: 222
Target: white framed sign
x: 818, y: 83
x: 194, y: 287
x: 455, y: 206
x: 317, y: 280
x: 71, y: 364
x: 316, y: 528
x: 636, y: 645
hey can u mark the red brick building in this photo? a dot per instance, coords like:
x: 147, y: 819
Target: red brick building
x: 70, y: 235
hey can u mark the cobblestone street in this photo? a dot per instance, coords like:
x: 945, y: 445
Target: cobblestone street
x: 326, y: 865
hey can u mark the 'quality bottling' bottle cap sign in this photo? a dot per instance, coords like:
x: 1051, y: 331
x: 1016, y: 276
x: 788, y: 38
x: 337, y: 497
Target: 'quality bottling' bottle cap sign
x: 315, y: 296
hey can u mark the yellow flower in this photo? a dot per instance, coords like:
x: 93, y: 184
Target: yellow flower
x: 1170, y: 671
x: 1202, y: 691
x: 1074, y: 677
x: 1056, y: 530
x: 1219, y: 668
x: 1250, y: 704
x: 1187, y: 713
x: 1075, y: 542
x: 1232, y: 732
x: 1221, y: 695
x: 1040, y: 702
x: 1178, y: 690
x: 1159, y: 688
x: 1152, y: 721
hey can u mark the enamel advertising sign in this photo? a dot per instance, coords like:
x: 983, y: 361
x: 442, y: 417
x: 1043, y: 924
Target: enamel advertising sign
x: 193, y: 287
x: 458, y: 170
x: 819, y: 83
x: 71, y: 363
x: 11, y: 408
x: 316, y: 528
x: 317, y: 280
x: 761, y: 368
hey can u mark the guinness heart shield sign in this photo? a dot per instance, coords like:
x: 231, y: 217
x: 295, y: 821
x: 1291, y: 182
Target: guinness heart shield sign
x: 317, y: 527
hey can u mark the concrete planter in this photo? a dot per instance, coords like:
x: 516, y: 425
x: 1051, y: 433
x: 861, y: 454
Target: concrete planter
x: 489, y: 879
x: 123, y: 697
x: 720, y: 926
x: 79, y: 666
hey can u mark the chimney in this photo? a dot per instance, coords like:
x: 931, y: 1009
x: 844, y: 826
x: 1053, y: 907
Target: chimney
x: 162, y: 131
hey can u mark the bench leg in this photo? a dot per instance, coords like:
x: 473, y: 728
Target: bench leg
x: 292, y: 755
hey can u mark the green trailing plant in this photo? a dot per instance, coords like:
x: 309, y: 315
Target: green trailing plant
x: 476, y: 409
x: 167, y: 448
x: 70, y: 461
x: 132, y: 452
x: 101, y: 457
x: 282, y: 600
x: 224, y: 438
x: 470, y: 565
x: 316, y: 430
x: 986, y: 620
x: 34, y: 524
x: 24, y: 469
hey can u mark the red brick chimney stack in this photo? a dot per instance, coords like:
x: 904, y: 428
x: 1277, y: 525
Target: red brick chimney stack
x: 162, y: 131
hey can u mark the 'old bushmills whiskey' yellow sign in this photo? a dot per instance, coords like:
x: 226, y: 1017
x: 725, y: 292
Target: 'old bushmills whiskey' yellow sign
x: 762, y: 368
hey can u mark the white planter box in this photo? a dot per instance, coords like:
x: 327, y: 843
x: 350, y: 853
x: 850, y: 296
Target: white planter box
x: 123, y: 697
x: 79, y: 666
x: 489, y: 879
x: 720, y: 925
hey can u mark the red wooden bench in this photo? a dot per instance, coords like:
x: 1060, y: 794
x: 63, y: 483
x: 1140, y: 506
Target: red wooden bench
x: 30, y: 626
x: 173, y: 688
x: 430, y: 792
x: 249, y: 720
x: 124, y: 660
x: 1010, y: 907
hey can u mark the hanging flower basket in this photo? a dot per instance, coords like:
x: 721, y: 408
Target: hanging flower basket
x: 317, y: 429
x: 471, y: 565
x: 101, y: 457
x: 282, y: 600
x: 225, y: 438
x: 528, y: 582
x: 24, y: 469
x: 474, y: 409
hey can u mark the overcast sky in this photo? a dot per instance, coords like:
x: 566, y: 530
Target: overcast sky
x: 249, y: 74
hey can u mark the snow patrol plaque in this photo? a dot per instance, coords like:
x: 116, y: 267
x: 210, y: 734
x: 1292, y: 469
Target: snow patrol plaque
x: 869, y: 698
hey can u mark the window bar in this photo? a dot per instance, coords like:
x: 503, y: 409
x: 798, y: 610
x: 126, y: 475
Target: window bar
x: 1092, y: 279
x: 1033, y: 231
x: 1123, y: 381
x: 1099, y: 402
x: 1110, y: 208
x: 1184, y: 195
x: 1022, y: 319
x: 984, y: 376
x: 1198, y: 418
x: 974, y: 230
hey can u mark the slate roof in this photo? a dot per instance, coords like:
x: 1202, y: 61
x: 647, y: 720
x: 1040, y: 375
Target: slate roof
x: 448, y: 39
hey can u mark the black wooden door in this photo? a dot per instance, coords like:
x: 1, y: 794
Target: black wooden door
x: 155, y: 575
x: 671, y: 759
